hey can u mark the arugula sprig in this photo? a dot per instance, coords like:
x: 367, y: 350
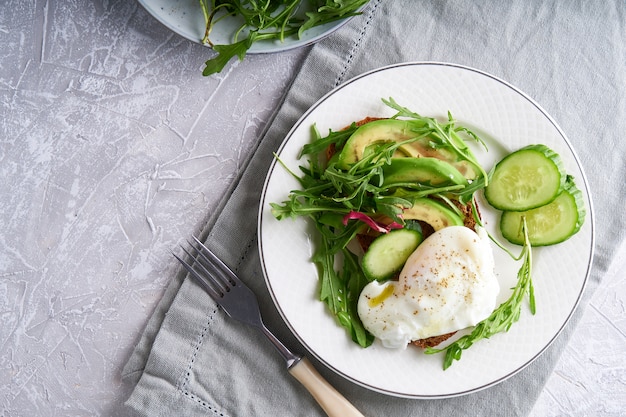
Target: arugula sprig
x: 340, y: 290
x: 503, y: 317
x: 268, y: 20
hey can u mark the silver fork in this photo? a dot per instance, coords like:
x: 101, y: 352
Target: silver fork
x: 240, y: 303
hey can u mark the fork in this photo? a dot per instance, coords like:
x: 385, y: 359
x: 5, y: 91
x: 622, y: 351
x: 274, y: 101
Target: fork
x: 239, y: 302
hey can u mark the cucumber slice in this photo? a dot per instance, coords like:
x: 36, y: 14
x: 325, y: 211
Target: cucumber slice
x: 388, y: 253
x: 549, y: 224
x: 530, y: 177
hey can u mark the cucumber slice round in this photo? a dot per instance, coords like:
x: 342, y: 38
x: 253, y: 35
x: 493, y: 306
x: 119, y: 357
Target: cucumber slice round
x: 528, y: 178
x: 388, y: 253
x: 550, y: 224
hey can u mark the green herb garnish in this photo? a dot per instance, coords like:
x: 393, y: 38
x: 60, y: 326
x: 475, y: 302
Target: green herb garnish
x: 268, y: 20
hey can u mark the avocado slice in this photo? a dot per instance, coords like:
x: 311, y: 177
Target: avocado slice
x: 396, y: 130
x: 378, y: 131
x: 424, y: 170
x: 436, y: 214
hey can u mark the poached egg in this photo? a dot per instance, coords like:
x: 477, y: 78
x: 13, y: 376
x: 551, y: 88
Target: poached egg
x: 447, y: 284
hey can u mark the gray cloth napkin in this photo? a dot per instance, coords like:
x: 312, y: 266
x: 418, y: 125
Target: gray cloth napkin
x: 569, y: 56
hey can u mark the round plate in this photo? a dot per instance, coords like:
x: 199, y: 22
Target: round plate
x: 507, y: 119
x: 185, y: 18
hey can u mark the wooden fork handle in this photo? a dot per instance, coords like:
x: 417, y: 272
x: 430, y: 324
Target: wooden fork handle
x: 331, y: 401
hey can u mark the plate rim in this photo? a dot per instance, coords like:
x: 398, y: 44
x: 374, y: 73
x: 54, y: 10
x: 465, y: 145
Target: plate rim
x: 259, y: 48
x: 590, y: 217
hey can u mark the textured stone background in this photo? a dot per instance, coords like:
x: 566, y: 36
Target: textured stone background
x: 114, y: 148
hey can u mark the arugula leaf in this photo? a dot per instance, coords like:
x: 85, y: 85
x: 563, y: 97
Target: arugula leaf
x: 331, y: 11
x: 321, y: 144
x: 355, y: 281
x: 268, y: 20
x: 332, y: 292
x: 340, y: 291
x: 226, y: 52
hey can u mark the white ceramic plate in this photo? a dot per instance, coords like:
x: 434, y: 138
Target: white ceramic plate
x: 507, y: 120
x: 185, y: 18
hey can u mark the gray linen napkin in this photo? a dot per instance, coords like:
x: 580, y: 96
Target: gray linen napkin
x: 568, y: 56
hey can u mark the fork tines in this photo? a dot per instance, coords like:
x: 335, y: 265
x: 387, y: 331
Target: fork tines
x: 208, y: 270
